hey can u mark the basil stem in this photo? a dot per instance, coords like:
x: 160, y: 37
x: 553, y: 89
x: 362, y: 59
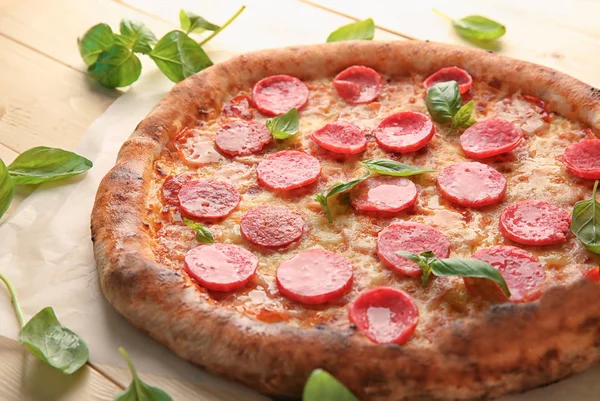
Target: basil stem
x: 225, y: 25
x: 138, y: 390
x: 13, y: 299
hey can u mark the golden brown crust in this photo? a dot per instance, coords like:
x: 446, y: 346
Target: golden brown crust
x: 509, y: 348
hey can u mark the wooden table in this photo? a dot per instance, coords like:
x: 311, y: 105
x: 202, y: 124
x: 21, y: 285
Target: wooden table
x: 47, y: 99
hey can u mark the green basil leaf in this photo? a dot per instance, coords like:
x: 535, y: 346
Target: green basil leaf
x: 462, y: 118
x: 393, y: 168
x: 136, y: 36
x: 138, y: 390
x: 203, y: 234
x: 285, y: 125
x: 43, y: 164
x: 53, y: 343
x: 96, y: 40
x: 585, y: 221
x: 361, y: 30
x: 443, y: 101
x: 322, y: 199
x: 116, y: 67
x: 7, y: 189
x: 476, y: 27
x: 321, y: 386
x: 193, y: 23
x: 423, y: 260
x: 468, y: 268
x: 336, y: 189
x: 178, y: 56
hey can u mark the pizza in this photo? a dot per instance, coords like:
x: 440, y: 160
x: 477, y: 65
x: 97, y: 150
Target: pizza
x: 288, y: 287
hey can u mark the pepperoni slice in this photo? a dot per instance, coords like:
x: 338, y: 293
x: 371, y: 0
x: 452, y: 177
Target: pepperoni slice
x: 410, y: 237
x: 471, y: 184
x: 593, y: 275
x: 208, y: 199
x: 384, y: 194
x: 490, y: 138
x: 583, y: 159
x: 385, y: 315
x: 287, y: 170
x: 358, y: 84
x: 315, y: 276
x: 462, y: 78
x: 172, y: 186
x: 404, y: 132
x: 242, y: 138
x: 271, y: 226
x: 341, y: 137
x: 221, y: 267
x: 532, y: 222
x: 278, y: 94
x: 521, y: 270
x: 195, y: 149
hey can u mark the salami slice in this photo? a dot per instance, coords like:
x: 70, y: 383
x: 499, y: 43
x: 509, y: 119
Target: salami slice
x: 521, y: 270
x: 593, y: 275
x: 195, y: 149
x: 410, y: 237
x: 278, y: 94
x: 221, y: 267
x: 385, y: 315
x: 242, y: 138
x: 462, y: 78
x: 208, y: 199
x: 287, y: 170
x: 583, y: 159
x: 384, y: 194
x: 315, y: 276
x: 490, y: 138
x: 271, y: 226
x: 471, y: 184
x: 341, y: 137
x: 404, y: 132
x: 172, y: 186
x: 358, y: 84
x: 532, y: 222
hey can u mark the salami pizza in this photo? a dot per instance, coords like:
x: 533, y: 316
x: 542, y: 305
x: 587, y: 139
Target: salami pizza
x: 413, y: 246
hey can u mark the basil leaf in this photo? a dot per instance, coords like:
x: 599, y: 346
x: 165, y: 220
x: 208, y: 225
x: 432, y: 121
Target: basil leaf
x: 393, y: 168
x: 285, y: 125
x: 423, y: 260
x: 336, y: 189
x: 193, y: 23
x: 203, y: 234
x: 136, y: 36
x: 178, y: 56
x: 116, y: 67
x: 443, y: 101
x: 321, y: 386
x: 138, y: 390
x: 43, y: 164
x: 462, y: 118
x: 476, y: 27
x: 7, y: 189
x: 361, y: 30
x: 322, y: 199
x: 96, y: 40
x: 585, y: 221
x: 53, y: 343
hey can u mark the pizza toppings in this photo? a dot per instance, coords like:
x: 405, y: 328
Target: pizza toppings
x: 221, y: 267
x: 384, y: 194
x: 172, y: 186
x: 341, y: 137
x: 358, y: 84
x: 593, y: 275
x: 287, y: 170
x: 459, y: 75
x: 208, y: 199
x: 583, y: 159
x: 471, y: 184
x: 532, y: 222
x: 522, y: 271
x: 385, y: 315
x: 242, y: 138
x: 490, y: 138
x: 404, y: 132
x: 195, y: 149
x: 315, y: 276
x: 271, y: 226
x: 585, y: 221
x: 239, y: 107
x: 409, y: 237
x: 277, y: 94
x: 335, y: 189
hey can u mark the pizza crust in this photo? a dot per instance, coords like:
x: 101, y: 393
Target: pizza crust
x: 511, y: 347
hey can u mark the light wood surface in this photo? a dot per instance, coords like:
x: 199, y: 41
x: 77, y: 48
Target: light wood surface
x: 47, y: 99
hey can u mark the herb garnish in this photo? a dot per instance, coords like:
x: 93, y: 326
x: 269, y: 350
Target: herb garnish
x: 321, y: 386
x: 476, y: 27
x: 335, y: 189
x: 361, y: 30
x: 393, y: 168
x: 585, y: 221
x: 138, y: 390
x: 285, y: 125
x: 444, y: 103
x: 203, y: 234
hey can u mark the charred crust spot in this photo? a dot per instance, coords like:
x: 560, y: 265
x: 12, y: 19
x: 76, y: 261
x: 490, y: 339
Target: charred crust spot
x: 590, y: 323
x: 490, y: 51
x: 595, y: 92
x: 352, y: 326
x: 320, y: 327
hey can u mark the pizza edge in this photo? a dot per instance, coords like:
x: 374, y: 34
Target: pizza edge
x: 509, y: 348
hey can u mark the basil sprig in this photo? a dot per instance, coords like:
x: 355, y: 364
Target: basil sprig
x: 476, y: 27
x: 138, y: 390
x: 193, y: 23
x: 285, y: 125
x: 47, y: 339
x: 393, y: 168
x: 585, y: 222
x: 203, y: 234
x: 361, y: 30
x: 321, y: 386
x: 461, y: 267
x: 336, y: 189
x: 444, y: 103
